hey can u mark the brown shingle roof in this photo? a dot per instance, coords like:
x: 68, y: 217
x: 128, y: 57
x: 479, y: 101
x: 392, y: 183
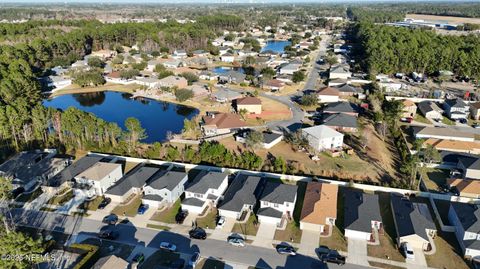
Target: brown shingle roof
x: 453, y: 145
x: 249, y: 100
x: 329, y: 91
x: 465, y: 185
x: 408, y: 103
x: 224, y: 120
x: 319, y: 203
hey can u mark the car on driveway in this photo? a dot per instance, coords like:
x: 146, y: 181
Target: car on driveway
x: 181, y: 216
x: 142, y: 209
x: 110, y: 219
x: 407, y: 251
x: 286, y: 250
x: 124, y: 221
x: 168, y: 246
x: 220, y: 221
x: 139, y: 258
x: 194, y: 260
x: 106, y: 201
x: 333, y: 257
x: 198, y: 233
x: 109, y: 234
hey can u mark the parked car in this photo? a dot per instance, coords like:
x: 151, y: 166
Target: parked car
x: 194, y: 260
x: 220, y: 222
x: 198, y: 233
x: 462, y: 121
x: 109, y: 234
x: 139, y: 258
x: 333, y: 257
x: 142, y: 209
x: 106, y: 201
x: 236, y: 240
x: 322, y: 250
x: 181, y: 216
x: 16, y: 192
x: 110, y: 219
x: 408, y: 120
x: 168, y: 246
x: 286, y: 250
x: 407, y: 251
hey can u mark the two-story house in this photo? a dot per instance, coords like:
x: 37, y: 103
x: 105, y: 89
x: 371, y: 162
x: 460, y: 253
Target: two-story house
x: 466, y: 219
x: 456, y: 109
x: 277, y: 203
x: 165, y: 187
x: 205, y: 189
x: 241, y: 196
x: 99, y: 177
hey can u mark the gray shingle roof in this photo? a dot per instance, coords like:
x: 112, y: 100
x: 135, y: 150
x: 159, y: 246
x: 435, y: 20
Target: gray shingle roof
x: 470, y: 162
x: 411, y: 217
x: 469, y: 216
x: 268, y: 137
x: 192, y: 202
x: 360, y: 210
x: 341, y: 107
x: 457, y: 102
x: 166, y: 180
x: 20, y: 161
x: 279, y: 193
x: 348, y: 88
x: 340, y: 119
x: 134, y: 179
x: 153, y: 197
x: 73, y: 170
x: 244, y: 190
x: 206, y: 180
x: 427, y: 106
x: 269, y: 212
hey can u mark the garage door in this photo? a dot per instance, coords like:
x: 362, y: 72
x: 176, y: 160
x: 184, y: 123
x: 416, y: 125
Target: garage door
x: 311, y: 227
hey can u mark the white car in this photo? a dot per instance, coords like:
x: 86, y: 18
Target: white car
x: 238, y: 242
x: 168, y: 246
x: 220, y: 222
x: 408, y: 251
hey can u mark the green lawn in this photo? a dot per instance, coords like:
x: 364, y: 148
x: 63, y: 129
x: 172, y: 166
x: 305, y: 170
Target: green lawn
x: 448, y: 121
x: 292, y: 233
x: 29, y: 197
x: 209, y: 221
x: 247, y: 228
x: 62, y: 198
x: 92, y: 205
x: 335, y: 241
x: 434, y: 177
x: 158, y: 227
x: 422, y: 119
x: 168, y: 215
x: 130, y: 209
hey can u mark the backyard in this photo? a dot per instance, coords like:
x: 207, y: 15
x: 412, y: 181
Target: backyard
x: 447, y: 255
x: 434, y: 178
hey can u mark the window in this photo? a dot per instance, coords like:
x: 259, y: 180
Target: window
x: 197, y: 195
x: 287, y: 204
x: 265, y: 203
x: 275, y: 205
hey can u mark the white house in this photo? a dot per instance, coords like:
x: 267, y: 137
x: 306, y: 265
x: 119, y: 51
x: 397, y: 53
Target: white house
x: 227, y: 57
x: 150, y: 82
x: 430, y: 110
x: 100, y: 177
x: 456, y: 109
x: 165, y: 187
x: 361, y: 215
x: 205, y: 189
x: 466, y: 219
x: 322, y: 138
x: 270, y: 139
x: 173, y: 64
x: 442, y: 133
x: 340, y: 71
x: 277, y: 203
x: 58, y: 82
x: 328, y: 95
x: 132, y: 183
x: 152, y: 64
x: 241, y: 196
x: 179, y: 54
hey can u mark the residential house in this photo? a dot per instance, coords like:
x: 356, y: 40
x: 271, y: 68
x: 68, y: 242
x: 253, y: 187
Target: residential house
x: 337, y: 82
x: 274, y: 85
x: 252, y: 105
x: 115, y: 77
x: 319, y: 210
x: 347, y: 90
x: 456, y: 109
x: 475, y: 110
x: 289, y: 68
x: 198, y: 90
x: 409, y: 109
x: 340, y: 122
x: 454, y: 145
x: 150, y: 82
x: 71, y: 171
x: 341, y: 107
x: 465, y: 187
x: 58, y: 82
x: 104, y: 54
x: 165, y: 187
x: 200, y: 53
x: 441, y: 133
x: 132, y: 183
x: 322, y: 138
x: 430, y: 110
x: 231, y: 76
x: 470, y: 166
x: 173, y: 63
x: 180, y: 53
x: 151, y: 64
x: 227, y: 57
x: 241, y: 197
x: 226, y: 95
x: 328, y: 95
x: 362, y: 218
x: 221, y: 123
x: 277, y: 203
x: 207, y: 75
x: 466, y: 219
x: 340, y: 71
x: 413, y: 222
x: 111, y: 261
x: 223, y: 50
x: 99, y: 177
x: 270, y: 138
x: 391, y: 86
x: 173, y: 82
x: 206, y: 189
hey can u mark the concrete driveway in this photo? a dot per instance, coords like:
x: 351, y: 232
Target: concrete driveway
x: 190, y: 219
x: 309, y: 242
x: 419, y: 262
x: 357, y: 252
x: 265, y: 234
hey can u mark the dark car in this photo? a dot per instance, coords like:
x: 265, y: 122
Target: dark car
x: 198, y: 233
x: 333, y: 257
x: 109, y: 234
x: 106, y: 201
x: 16, y: 192
x: 139, y: 258
x: 110, y: 219
x: 194, y: 260
x: 142, y: 209
x: 286, y: 250
x: 181, y: 216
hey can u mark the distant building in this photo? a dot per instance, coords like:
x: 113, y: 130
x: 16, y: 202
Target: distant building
x: 328, y: 95
x: 430, y: 110
x: 456, y: 109
x: 340, y: 71
x: 409, y: 109
x: 466, y: 219
x: 221, y: 123
x: 252, y: 105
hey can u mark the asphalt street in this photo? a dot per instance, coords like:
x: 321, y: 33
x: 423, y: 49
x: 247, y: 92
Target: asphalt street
x: 129, y: 234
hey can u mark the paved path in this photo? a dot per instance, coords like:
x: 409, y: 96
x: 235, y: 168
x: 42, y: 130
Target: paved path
x: 357, y: 251
x: 309, y: 242
x: 265, y: 234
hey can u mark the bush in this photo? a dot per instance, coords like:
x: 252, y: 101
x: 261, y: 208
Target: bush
x: 190, y: 77
x: 95, y: 62
x: 88, y: 78
x: 309, y: 100
x: 90, y: 251
x: 183, y: 94
x: 129, y: 73
x: 165, y: 73
x: 298, y: 76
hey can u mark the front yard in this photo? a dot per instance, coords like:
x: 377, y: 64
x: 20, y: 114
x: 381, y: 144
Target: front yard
x: 130, y: 209
x: 91, y: 205
x: 167, y: 215
x: 29, y: 197
x: 248, y: 228
x: 292, y: 233
x: 336, y: 241
x: 62, y: 197
x: 209, y: 220
x: 447, y: 255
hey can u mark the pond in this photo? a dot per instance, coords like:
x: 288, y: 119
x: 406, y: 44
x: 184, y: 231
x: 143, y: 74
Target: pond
x: 225, y: 69
x: 277, y: 46
x: 156, y: 117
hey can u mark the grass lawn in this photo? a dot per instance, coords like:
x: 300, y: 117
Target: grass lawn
x: 292, y: 231
x: 387, y: 248
x: 158, y: 227
x: 66, y: 196
x: 434, y: 177
x: 167, y: 215
x: 159, y: 258
x: 447, y: 254
x: 247, y: 228
x: 92, y: 205
x: 447, y: 121
x: 129, y: 209
x: 422, y: 119
x: 27, y: 198
x: 208, y: 221
x: 383, y: 265
x: 107, y: 87
x: 336, y: 241
x: 129, y: 166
